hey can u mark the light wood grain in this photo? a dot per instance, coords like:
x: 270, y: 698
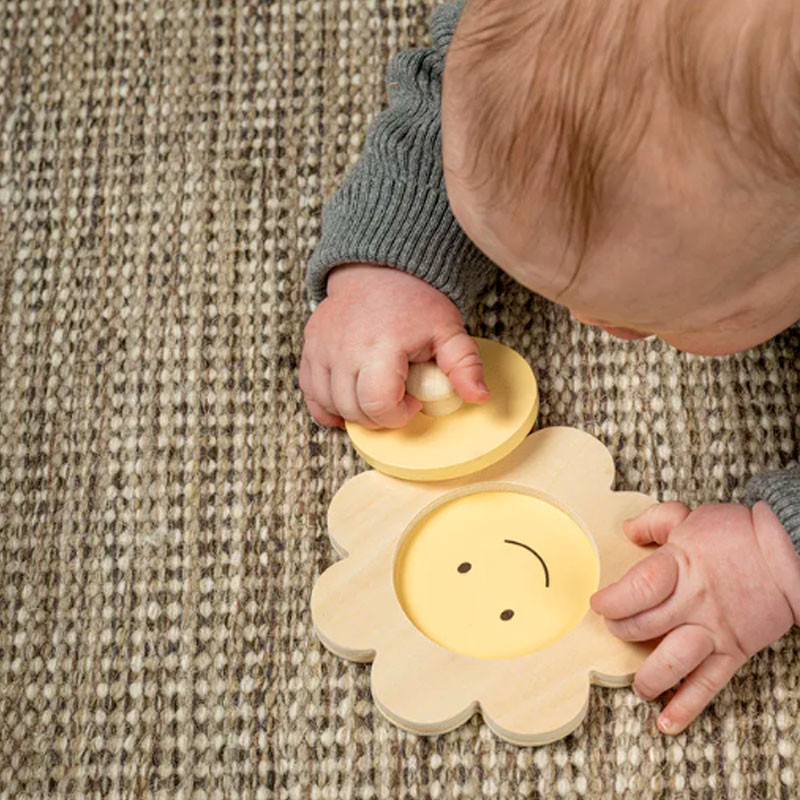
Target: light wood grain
x: 421, y: 685
x: 433, y: 389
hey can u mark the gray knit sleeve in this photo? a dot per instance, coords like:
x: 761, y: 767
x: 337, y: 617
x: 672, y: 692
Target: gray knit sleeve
x: 392, y: 207
x: 781, y: 491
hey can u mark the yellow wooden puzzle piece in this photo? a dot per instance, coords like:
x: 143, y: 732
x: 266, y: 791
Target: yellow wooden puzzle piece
x: 471, y: 438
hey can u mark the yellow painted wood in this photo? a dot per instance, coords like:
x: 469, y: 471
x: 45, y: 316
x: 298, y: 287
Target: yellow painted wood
x: 467, y: 440
x: 496, y: 574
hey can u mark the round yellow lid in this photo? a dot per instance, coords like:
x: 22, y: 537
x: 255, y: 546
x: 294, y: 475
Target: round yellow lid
x: 469, y: 439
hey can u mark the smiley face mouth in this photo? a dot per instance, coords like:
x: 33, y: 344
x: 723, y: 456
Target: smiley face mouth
x: 506, y: 615
x: 541, y: 560
x: 460, y: 584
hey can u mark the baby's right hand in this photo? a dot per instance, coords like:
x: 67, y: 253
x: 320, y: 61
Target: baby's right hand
x: 362, y: 336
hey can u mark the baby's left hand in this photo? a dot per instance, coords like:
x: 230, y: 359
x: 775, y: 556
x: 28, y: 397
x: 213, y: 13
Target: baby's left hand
x: 724, y: 584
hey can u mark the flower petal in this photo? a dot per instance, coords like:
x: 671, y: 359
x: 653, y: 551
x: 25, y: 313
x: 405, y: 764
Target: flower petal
x: 539, y: 710
x: 415, y: 688
x: 372, y: 508
x: 344, y: 622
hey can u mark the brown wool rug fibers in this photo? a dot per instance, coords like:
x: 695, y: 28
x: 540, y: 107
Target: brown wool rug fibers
x: 162, y: 489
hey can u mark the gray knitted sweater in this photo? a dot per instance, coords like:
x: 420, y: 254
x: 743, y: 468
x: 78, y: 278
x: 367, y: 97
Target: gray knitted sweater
x: 392, y: 210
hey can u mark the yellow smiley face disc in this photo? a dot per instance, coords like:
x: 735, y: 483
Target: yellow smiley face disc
x: 468, y: 440
x: 496, y: 574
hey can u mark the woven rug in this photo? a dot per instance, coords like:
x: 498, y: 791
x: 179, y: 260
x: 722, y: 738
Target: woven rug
x: 163, y: 491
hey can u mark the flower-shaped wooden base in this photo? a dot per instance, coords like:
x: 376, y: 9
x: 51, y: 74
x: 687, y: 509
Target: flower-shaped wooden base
x: 428, y: 688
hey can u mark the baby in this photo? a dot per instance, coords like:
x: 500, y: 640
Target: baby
x: 637, y: 162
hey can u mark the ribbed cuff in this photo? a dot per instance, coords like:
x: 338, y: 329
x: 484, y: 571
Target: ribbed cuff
x: 380, y: 220
x: 780, y: 490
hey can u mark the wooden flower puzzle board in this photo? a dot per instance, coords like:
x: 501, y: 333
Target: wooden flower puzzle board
x: 472, y: 593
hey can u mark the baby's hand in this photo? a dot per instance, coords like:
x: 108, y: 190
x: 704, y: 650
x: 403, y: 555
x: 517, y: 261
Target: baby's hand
x: 724, y: 584
x: 362, y: 336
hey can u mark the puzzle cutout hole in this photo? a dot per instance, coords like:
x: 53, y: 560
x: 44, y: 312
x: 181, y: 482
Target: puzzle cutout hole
x: 496, y: 574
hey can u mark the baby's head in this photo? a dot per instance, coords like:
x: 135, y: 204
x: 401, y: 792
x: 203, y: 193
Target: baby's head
x: 637, y: 161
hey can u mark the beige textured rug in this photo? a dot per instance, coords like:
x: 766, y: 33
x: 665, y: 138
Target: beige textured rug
x: 162, y: 489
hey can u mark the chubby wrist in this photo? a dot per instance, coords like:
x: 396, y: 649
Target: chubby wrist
x: 365, y: 278
x: 346, y: 276
x: 779, y: 553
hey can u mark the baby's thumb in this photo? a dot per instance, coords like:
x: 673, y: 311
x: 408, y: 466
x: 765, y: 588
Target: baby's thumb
x: 459, y: 359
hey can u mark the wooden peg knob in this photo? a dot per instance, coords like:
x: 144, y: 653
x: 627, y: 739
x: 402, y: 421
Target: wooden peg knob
x: 433, y: 389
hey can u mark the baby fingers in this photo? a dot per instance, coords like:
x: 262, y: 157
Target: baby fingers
x: 648, y: 625
x: 697, y: 691
x: 674, y: 658
x: 643, y: 586
x: 321, y: 415
x: 656, y: 523
x: 315, y: 385
x: 381, y: 392
x: 343, y: 394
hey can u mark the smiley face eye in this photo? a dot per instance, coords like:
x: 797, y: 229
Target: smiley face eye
x: 506, y: 615
x: 464, y: 566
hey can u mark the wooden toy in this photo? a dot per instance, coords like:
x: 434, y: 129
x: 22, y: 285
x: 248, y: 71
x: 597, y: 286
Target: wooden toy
x: 472, y: 593
x: 434, y: 448
x: 433, y: 389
